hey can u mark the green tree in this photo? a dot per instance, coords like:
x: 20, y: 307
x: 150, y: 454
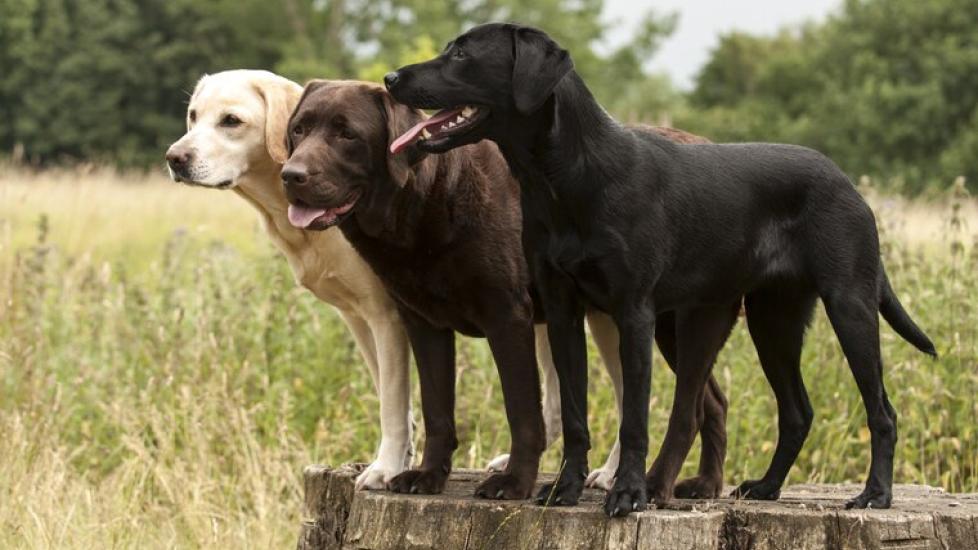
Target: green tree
x: 885, y: 87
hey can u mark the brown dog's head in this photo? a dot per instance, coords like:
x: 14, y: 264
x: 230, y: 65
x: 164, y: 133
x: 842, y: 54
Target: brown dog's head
x: 338, y: 139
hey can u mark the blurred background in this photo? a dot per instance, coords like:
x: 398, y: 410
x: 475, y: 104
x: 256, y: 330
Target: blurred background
x: 162, y: 379
x: 885, y: 87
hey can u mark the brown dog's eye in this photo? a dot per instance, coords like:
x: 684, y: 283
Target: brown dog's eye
x: 230, y: 121
x: 346, y: 133
x: 297, y: 130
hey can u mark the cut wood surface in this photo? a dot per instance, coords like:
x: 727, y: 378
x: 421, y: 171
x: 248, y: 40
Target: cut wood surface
x: 807, y: 517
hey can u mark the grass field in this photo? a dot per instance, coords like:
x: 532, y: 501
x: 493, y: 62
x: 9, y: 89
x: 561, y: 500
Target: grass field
x: 163, y: 381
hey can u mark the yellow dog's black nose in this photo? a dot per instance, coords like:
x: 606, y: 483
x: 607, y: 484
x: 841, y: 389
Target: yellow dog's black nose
x: 178, y: 159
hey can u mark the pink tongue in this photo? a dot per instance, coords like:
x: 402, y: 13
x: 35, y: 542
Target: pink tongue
x: 411, y: 135
x: 303, y: 216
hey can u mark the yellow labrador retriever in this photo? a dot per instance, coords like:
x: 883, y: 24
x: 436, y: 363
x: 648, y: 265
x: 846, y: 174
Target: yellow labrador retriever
x: 236, y: 140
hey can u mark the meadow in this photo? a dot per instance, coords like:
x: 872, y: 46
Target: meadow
x: 163, y: 381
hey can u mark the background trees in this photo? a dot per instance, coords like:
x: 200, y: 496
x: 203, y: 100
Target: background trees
x: 885, y: 87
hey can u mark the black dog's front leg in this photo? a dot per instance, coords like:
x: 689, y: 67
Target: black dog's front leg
x: 565, y: 327
x: 434, y: 353
x: 636, y: 329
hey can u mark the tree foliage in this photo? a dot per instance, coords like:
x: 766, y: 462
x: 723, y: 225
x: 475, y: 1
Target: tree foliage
x: 108, y: 79
x: 885, y: 87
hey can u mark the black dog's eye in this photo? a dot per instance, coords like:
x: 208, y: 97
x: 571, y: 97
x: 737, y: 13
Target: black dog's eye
x: 458, y: 55
x: 230, y: 121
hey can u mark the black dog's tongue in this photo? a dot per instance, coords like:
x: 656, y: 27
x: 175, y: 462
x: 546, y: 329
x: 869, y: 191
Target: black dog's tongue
x: 414, y: 133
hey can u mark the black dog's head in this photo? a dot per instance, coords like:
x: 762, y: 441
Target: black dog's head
x: 484, y: 79
x: 337, y: 141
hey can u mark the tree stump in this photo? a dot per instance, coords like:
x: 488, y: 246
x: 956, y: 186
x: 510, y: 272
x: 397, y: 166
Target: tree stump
x: 807, y: 517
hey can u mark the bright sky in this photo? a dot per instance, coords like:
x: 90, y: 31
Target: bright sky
x: 702, y: 21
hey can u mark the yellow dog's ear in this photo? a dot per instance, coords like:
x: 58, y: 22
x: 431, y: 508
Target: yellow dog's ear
x: 399, y: 118
x: 281, y: 96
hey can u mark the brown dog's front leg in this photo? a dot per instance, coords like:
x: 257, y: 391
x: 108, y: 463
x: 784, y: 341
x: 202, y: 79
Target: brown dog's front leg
x: 434, y: 352
x: 512, y: 347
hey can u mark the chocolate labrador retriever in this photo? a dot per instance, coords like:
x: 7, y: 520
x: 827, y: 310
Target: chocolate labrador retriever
x: 621, y: 219
x: 443, y: 234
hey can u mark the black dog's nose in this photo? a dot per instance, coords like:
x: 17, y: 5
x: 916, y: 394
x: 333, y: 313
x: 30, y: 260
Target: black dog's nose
x: 390, y: 79
x: 178, y: 158
x: 294, y: 175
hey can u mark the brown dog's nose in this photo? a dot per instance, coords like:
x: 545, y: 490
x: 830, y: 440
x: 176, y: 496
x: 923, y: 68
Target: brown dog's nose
x: 294, y: 174
x: 178, y: 158
x: 390, y: 79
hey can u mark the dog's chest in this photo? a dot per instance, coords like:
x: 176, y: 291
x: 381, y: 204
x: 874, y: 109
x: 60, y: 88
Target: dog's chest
x: 433, y: 286
x: 590, y: 266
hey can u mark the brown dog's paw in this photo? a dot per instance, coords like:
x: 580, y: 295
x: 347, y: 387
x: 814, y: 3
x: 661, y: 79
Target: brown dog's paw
x: 419, y: 482
x: 698, y: 487
x: 504, y: 486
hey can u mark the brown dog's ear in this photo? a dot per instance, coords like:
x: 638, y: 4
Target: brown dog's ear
x: 281, y: 96
x: 399, y: 119
x: 539, y: 65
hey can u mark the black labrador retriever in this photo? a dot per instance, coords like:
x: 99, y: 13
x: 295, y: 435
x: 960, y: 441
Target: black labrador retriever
x: 618, y: 218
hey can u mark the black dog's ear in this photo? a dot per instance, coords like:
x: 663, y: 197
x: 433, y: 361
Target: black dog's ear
x: 399, y: 118
x: 311, y: 87
x: 538, y: 66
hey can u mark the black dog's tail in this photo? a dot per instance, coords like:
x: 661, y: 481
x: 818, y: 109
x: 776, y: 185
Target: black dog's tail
x: 900, y: 320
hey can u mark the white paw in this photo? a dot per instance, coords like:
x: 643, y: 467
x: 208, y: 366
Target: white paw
x: 602, y: 478
x: 498, y: 464
x: 375, y: 477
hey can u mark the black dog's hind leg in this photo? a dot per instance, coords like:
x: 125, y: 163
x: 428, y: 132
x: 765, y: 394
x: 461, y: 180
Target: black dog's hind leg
x: 711, y: 418
x: 700, y: 335
x: 636, y: 328
x: 565, y: 328
x: 512, y: 344
x: 434, y: 353
x: 855, y: 318
x: 777, y: 319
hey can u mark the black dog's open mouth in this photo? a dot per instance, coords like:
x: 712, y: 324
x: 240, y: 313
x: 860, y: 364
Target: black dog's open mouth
x: 317, y: 218
x: 441, y: 127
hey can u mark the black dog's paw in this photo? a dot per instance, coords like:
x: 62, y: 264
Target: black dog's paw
x: 628, y: 495
x: 876, y: 499
x: 757, y: 489
x: 566, y: 491
x: 505, y: 486
x: 420, y: 482
x: 698, y: 487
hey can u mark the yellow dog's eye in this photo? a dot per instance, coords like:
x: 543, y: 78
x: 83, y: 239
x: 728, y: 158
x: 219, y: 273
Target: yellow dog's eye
x: 193, y: 116
x: 230, y: 121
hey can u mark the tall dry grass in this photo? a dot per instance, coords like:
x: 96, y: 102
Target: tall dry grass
x: 163, y: 382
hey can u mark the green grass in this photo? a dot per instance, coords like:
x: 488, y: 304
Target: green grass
x: 163, y: 381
